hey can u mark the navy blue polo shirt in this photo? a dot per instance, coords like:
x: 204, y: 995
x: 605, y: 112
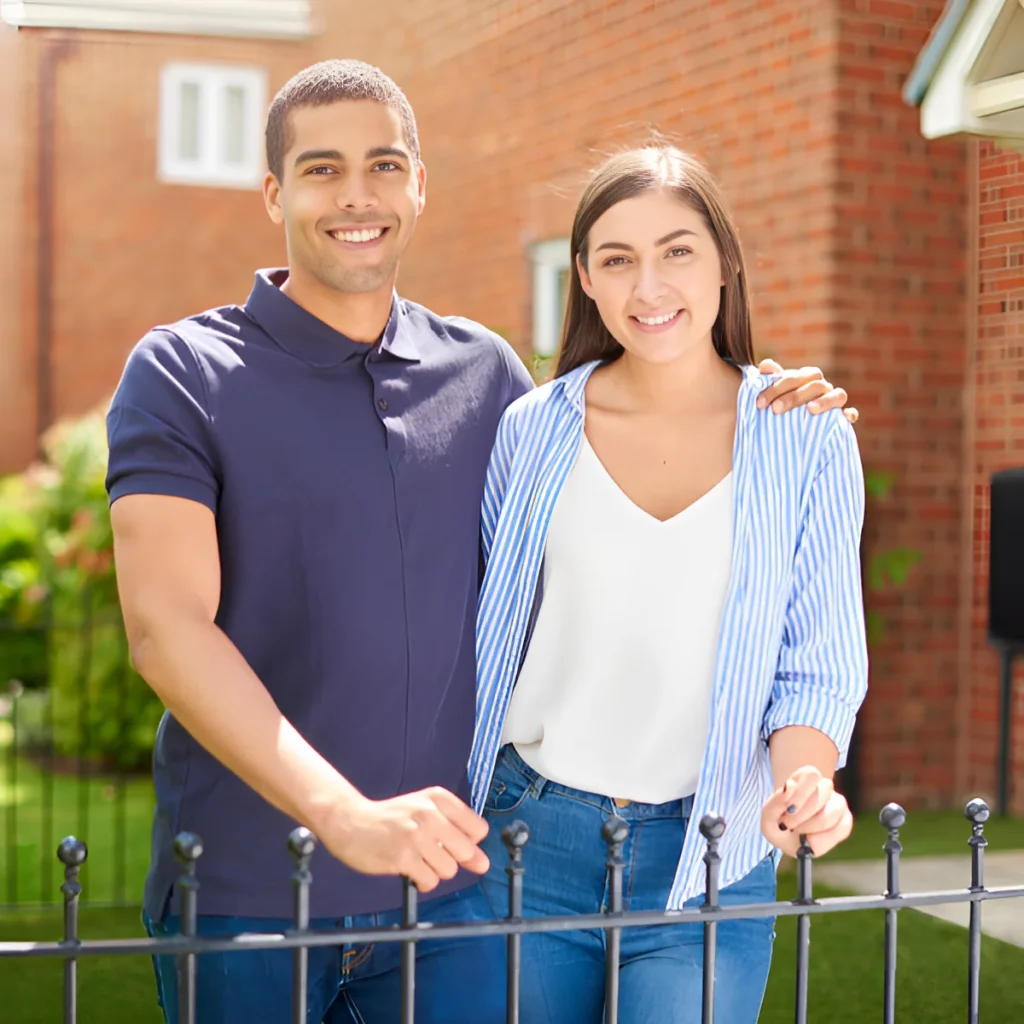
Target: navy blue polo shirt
x: 346, y: 481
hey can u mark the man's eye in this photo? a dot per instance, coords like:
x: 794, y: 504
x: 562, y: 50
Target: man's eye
x: 320, y: 170
x: 386, y: 165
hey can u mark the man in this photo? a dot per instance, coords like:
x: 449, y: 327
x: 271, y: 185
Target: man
x: 295, y: 489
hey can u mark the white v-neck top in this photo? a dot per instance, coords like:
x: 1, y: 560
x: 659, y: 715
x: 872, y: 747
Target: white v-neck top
x: 614, y: 695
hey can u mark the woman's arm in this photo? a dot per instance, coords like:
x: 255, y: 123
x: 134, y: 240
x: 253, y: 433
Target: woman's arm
x: 496, y: 480
x: 822, y: 673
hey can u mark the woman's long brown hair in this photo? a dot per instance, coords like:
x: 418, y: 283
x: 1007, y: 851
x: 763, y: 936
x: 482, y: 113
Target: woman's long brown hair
x: 584, y: 335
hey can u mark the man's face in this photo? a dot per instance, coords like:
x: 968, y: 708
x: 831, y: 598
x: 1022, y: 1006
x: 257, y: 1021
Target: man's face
x: 349, y: 195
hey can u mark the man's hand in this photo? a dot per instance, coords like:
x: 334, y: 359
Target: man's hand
x: 806, y: 804
x: 425, y: 836
x: 806, y: 386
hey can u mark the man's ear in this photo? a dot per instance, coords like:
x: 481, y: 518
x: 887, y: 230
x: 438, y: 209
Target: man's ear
x: 272, y: 198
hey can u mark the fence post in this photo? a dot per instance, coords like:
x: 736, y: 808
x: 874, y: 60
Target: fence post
x: 515, y: 837
x: 409, y: 907
x: 301, y: 844
x: 72, y: 853
x: 712, y: 828
x: 804, y: 857
x: 188, y: 848
x: 977, y: 814
x: 892, y: 817
x: 614, y: 832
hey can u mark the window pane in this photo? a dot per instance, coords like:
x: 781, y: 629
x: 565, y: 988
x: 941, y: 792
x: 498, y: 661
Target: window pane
x: 234, y: 125
x: 188, y: 124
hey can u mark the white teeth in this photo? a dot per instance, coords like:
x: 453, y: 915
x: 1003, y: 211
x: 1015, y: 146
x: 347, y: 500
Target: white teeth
x: 652, y: 321
x: 358, y: 236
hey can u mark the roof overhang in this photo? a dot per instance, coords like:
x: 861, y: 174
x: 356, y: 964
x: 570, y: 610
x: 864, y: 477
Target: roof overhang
x: 268, y: 19
x: 969, y: 78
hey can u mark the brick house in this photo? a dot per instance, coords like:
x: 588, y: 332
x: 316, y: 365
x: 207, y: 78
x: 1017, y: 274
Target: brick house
x: 884, y: 242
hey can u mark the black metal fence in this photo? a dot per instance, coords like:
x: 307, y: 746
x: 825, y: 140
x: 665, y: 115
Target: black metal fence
x: 299, y: 939
x: 76, y: 725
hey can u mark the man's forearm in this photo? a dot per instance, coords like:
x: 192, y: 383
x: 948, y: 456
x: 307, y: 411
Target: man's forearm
x: 800, y: 746
x: 210, y: 689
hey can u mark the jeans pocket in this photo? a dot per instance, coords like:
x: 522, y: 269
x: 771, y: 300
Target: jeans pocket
x: 509, y: 788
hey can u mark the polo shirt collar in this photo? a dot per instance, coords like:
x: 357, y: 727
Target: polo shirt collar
x: 308, y: 338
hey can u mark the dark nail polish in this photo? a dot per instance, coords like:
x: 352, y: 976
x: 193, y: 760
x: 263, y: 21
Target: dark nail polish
x: 782, y: 828
x: 791, y: 809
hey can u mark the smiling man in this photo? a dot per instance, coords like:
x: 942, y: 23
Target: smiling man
x: 295, y: 488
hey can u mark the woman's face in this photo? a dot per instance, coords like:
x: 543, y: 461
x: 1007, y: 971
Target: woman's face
x: 655, y: 276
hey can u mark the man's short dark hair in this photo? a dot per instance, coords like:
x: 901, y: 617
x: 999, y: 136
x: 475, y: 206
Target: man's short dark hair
x: 328, y: 82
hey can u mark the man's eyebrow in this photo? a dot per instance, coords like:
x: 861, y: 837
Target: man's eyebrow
x: 661, y: 241
x: 317, y: 154
x: 378, y: 151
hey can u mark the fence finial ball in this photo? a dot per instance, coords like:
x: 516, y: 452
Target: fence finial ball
x: 188, y: 846
x: 72, y: 852
x: 892, y: 816
x: 515, y: 836
x: 977, y: 811
x: 301, y: 842
x: 614, y: 830
x: 712, y: 826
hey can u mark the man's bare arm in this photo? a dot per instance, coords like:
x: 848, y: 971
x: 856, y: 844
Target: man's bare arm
x: 168, y: 573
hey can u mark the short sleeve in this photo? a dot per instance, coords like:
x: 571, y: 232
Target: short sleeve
x: 159, y: 425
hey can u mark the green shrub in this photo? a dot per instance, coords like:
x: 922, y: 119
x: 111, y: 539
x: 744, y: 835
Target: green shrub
x: 58, y: 601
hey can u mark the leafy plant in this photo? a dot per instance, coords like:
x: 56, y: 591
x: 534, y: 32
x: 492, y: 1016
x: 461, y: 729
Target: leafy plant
x: 58, y: 597
x: 889, y: 567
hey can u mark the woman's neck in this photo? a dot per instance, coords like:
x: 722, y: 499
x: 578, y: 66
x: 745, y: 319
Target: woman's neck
x: 698, y: 379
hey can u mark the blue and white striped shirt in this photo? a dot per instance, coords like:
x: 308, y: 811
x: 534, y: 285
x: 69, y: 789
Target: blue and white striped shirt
x: 792, y: 647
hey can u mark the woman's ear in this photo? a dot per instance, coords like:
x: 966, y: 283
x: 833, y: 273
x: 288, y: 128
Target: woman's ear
x: 585, y: 284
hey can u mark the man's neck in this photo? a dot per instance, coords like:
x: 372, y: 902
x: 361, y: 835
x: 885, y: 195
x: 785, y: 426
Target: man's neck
x: 360, y: 316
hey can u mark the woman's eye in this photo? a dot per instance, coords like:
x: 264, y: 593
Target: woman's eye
x: 680, y: 250
x: 615, y: 261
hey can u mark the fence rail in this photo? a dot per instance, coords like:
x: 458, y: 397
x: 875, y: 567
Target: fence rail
x: 188, y: 945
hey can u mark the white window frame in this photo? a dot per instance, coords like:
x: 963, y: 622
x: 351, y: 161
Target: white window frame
x: 210, y: 168
x: 549, y: 259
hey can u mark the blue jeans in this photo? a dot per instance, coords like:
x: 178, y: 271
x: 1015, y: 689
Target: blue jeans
x: 458, y: 981
x: 661, y: 973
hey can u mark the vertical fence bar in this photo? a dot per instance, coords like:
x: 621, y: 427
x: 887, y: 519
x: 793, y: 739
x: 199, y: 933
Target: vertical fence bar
x: 15, y: 690
x: 301, y: 844
x: 614, y: 832
x: 84, y: 775
x: 803, y: 928
x: 977, y: 813
x: 188, y: 848
x: 46, y: 878
x: 71, y: 853
x: 120, y: 782
x: 515, y: 837
x: 409, y: 909
x: 712, y: 828
x: 893, y: 818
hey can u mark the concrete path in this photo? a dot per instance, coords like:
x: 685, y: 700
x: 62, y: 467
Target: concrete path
x: 1002, y: 919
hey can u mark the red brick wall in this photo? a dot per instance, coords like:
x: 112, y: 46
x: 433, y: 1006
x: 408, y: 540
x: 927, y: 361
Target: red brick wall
x: 899, y: 323
x: 998, y: 427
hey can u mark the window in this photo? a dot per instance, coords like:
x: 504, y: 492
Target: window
x: 550, y: 292
x: 211, y: 125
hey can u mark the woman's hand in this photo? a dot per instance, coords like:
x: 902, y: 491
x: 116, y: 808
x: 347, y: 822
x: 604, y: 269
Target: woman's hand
x: 807, y: 804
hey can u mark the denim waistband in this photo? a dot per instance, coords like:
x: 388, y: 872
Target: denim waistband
x: 634, y: 810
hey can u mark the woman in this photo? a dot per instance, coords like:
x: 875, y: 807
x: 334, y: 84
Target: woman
x: 671, y: 619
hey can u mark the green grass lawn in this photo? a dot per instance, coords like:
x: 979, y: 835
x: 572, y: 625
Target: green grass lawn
x: 845, y: 981
x: 23, y: 826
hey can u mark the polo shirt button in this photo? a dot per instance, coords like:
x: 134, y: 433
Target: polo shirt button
x: 383, y: 403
